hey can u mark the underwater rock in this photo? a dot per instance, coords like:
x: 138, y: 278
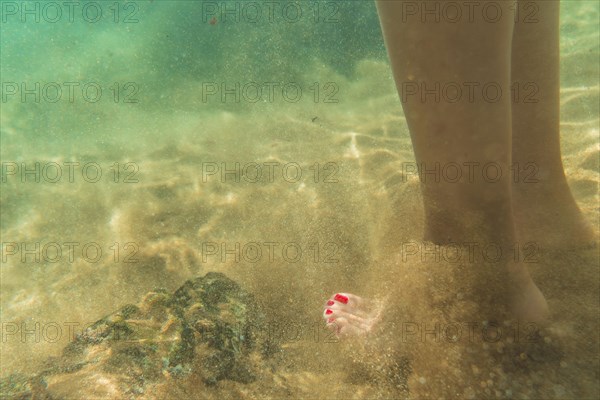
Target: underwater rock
x: 209, y: 330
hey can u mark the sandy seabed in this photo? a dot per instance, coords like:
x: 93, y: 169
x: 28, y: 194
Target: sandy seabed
x: 338, y: 226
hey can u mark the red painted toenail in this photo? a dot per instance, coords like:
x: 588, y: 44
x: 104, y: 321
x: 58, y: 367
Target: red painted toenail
x: 330, y: 320
x: 341, y: 298
x: 328, y: 312
x: 330, y: 302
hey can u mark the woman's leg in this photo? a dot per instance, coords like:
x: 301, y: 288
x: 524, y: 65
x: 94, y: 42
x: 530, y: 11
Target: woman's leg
x: 545, y: 211
x: 470, y: 133
x: 473, y: 131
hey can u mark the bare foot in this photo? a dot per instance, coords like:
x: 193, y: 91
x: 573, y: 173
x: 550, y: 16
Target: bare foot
x: 527, y: 302
x: 550, y: 217
x: 351, y: 316
x: 529, y: 305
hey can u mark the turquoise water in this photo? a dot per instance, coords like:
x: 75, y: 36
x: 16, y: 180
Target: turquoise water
x: 160, y: 131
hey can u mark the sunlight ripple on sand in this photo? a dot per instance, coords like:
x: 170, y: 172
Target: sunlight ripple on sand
x: 352, y: 152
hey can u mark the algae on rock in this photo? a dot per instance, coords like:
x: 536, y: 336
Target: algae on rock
x: 210, y: 329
